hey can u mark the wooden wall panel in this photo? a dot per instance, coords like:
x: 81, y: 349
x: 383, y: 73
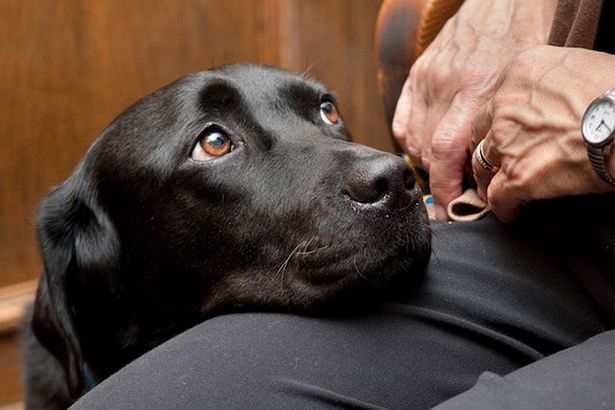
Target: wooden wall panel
x: 333, y: 41
x: 10, y: 369
x: 70, y: 66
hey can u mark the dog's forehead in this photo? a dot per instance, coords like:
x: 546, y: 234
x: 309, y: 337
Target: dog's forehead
x: 158, y: 131
x: 261, y: 84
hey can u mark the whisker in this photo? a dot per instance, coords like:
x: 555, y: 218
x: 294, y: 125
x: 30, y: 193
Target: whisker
x: 313, y: 250
x: 356, y: 268
x: 282, y: 270
x: 307, y: 70
x: 308, y: 243
x: 304, y: 251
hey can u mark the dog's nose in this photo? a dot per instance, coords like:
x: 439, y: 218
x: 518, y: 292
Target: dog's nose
x: 381, y: 179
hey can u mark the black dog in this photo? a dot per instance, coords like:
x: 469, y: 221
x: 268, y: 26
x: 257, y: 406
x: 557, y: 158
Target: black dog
x: 232, y: 189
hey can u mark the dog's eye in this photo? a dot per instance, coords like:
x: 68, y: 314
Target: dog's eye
x: 328, y: 112
x: 216, y: 143
x: 213, y: 143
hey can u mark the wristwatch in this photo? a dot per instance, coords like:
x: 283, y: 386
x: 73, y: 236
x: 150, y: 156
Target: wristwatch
x: 598, y: 129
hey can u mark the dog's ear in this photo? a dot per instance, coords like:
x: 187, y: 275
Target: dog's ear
x: 76, y: 239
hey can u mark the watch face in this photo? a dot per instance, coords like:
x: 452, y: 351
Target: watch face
x: 599, y: 121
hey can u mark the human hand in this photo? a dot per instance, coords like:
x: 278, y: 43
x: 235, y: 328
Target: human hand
x: 532, y: 128
x: 454, y: 77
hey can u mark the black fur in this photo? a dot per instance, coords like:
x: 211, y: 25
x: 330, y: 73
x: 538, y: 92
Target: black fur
x: 142, y: 242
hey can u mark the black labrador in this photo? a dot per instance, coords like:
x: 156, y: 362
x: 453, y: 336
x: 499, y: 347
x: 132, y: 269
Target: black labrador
x: 232, y: 189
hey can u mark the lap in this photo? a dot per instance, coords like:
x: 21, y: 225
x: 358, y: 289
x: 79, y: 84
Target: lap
x: 495, y: 298
x: 581, y: 377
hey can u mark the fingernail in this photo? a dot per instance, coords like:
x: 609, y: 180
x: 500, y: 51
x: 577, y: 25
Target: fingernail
x: 441, y: 214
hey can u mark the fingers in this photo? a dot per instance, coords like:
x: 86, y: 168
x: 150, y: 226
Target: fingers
x: 485, y: 157
x: 503, y: 198
x: 408, y: 120
x: 493, y: 184
x: 402, y: 115
x: 485, y: 165
x: 481, y: 124
x: 450, y: 154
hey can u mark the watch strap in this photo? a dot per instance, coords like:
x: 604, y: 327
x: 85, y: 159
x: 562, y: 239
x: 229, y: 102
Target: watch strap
x: 598, y: 157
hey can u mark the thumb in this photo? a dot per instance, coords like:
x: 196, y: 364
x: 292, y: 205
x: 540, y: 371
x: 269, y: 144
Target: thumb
x: 449, y: 150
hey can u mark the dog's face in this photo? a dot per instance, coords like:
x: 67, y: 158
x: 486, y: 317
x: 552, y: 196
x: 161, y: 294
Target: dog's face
x: 229, y: 189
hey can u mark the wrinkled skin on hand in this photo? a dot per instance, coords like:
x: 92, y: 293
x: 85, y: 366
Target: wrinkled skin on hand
x: 454, y: 77
x: 532, y: 128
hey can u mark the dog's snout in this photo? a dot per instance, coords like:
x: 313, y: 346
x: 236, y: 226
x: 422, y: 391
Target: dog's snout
x: 382, y: 179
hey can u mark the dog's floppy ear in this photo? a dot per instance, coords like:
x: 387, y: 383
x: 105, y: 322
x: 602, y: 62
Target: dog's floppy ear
x: 76, y: 238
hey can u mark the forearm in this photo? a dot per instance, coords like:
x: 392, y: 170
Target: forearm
x: 533, y: 19
x: 527, y: 22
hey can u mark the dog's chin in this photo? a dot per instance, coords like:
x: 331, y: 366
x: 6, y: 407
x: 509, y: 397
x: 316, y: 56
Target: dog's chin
x: 348, y: 292
x: 361, y: 279
x: 394, y: 254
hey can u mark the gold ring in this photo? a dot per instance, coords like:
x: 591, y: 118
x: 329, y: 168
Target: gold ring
x: 482, y: 159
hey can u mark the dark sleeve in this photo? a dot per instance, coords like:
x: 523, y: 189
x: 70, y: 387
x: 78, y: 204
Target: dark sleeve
x: 575, y: 23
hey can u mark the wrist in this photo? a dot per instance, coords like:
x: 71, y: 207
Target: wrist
x: 598, y: 132
x: 534, y: 20
x: 526, y: 22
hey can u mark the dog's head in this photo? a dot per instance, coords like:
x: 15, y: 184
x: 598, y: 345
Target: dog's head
x: 228, y: 189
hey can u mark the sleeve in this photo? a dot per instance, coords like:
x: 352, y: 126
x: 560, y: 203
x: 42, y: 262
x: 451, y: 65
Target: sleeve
x: 575, y: 23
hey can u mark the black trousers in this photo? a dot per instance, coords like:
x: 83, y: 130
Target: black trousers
x: 498, y: 301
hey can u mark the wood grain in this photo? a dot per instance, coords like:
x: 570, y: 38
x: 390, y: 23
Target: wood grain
x: 14, y: 300
x: 70, y: 66
x: 333, y: 41
x: 10, y: 369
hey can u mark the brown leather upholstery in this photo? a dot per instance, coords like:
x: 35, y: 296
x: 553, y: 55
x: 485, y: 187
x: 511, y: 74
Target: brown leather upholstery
x: 403, y: 30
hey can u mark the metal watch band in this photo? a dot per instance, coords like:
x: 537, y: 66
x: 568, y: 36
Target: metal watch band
x: 597, y: 158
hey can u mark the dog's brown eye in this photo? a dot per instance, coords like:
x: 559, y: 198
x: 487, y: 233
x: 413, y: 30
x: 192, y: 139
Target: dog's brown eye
x: 213, y: 143
x: 216, y: 143
x: 328, y: 112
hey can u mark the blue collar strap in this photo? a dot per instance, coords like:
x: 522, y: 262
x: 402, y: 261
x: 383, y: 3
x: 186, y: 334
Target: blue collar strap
x: 88, y: 378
